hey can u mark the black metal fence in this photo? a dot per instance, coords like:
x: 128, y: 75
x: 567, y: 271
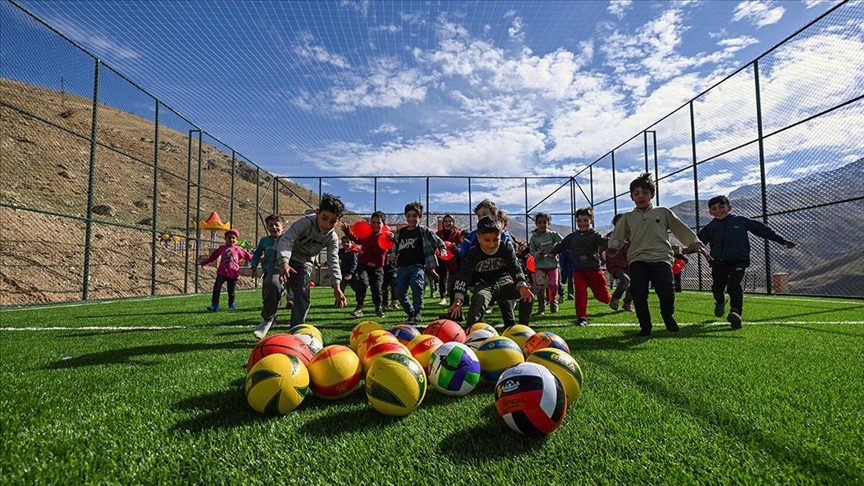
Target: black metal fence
x: 110, y: 194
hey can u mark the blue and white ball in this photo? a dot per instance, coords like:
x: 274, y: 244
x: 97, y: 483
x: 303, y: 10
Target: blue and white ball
x: 454, y: 369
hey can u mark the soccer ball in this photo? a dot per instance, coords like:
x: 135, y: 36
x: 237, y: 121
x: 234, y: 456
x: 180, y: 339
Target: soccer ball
x: 445, y: 330
x: 530, y: 399
x: 395, y: 384
x: 496, y: 354
x: 454, y: 369
x: 277, y: 384
x: 335, y: 372
x: 545, y: 339
x: 310, y: 335
x: 280, y: 343
x: 563, y: 366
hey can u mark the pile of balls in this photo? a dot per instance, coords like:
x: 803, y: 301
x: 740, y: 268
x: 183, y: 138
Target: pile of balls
x: 535, y: 375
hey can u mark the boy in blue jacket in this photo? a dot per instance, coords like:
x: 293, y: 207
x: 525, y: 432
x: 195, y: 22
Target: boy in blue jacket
x: 727, y: 235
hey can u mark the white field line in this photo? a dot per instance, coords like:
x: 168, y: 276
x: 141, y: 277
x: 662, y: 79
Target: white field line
x: 804, y: 299
x: 235, y: 326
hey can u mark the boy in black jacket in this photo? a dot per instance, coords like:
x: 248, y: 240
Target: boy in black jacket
x: 727, y: 235
x: 495, y: 274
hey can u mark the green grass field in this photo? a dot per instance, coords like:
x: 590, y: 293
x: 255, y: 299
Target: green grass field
x: 153, y: 394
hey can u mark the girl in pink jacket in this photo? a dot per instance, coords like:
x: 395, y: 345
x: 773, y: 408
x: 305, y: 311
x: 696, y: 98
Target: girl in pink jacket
x: 228, y: 269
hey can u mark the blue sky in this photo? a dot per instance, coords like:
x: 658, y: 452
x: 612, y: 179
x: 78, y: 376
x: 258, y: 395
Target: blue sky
x: 481, y: 88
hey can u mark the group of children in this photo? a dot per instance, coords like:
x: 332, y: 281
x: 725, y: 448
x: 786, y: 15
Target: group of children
x: 487, y: 263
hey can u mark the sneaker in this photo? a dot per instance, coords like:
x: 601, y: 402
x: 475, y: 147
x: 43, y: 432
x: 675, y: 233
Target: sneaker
x: 570, y: 297
x: 673, y: 327
x: 418, y: 317
x: 628, y: 307
x: 289, y: 304
x: 213, y: 308
x: 232, y: 305
x: 644, y: 332
x: 357, y: 313
x: 735, y: 320
x: 720, y: 308
x: 394, y: 305
x: 262, y: 329
x: 443, y: 302
x: 379, y: 312
x: 613, y: 304
x: 582, y: 322
x: 540, y: 313
x: 554, y: 307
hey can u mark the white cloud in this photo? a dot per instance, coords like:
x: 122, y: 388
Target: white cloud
x: 307, y: 49
x: 758, y: 13
x: 737, y: 43
x: 515, y: 31
x: 385, y: 128
x: 619, y: 8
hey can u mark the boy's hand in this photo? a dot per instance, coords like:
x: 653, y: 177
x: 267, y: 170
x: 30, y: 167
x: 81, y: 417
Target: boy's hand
x: 456, y: 309
x: 285, y: 271
x: 340, y: 297
x: 789, y: 244
x: 525, y: 294
x: 344, y: 227
x: 705, y: 253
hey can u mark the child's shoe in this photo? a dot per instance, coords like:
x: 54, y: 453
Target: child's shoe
x: 357, y: 313
x: 644, y: 332
x: 443, y: 302
x: 628, y: 306
x: 673, y: 327
x: 735, y: 320
x: 418, y: 317
x: 582, y: 321
x: 554, y: 307
x: 379, y: 312
x: 232, y: 305
x: 213, y: 308
x: 262, y: 329
x: 720, y: 308
x: 289, y: 304
x: 613, y: 304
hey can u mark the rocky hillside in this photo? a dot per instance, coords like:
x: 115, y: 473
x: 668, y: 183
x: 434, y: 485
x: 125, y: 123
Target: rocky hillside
x: 45, y: 155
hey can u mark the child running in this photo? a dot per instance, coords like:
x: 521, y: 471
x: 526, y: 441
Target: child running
x: 228, y: 269
x: 370, y: 265
x: 584, y: 245
x: 650, y: 253
x: 545, y: 263
x: 727, y: 237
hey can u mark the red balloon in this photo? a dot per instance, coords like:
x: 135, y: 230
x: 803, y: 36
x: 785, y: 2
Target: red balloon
x: 362, y: 229
x: 384, y: 241
x: 678, y: 266
x: 529, y: 262
x: 448, y: 255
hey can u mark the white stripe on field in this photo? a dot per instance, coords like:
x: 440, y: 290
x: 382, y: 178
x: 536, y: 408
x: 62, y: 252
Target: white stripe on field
x: 250, y: 326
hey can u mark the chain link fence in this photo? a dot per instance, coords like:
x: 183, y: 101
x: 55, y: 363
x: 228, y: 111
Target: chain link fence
x: 107, y: 192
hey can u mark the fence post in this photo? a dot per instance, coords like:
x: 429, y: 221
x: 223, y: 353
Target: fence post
x: 186, y: 249
x: 198, y: 210
x: 155, y: 236
x: 762, y: 183
x: 88, y: 234
x: 233, y: 174
x: 695, y: 182
x: 470, y: 205
x: 614, y: 187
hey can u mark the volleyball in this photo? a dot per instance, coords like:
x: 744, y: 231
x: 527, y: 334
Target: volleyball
x: 422, y: 348
x: 563, y: 366
x: 545, y: 339
x: 395, y: 384
x: 310, y: 335
x: 383, y: 347
x: 404, y: 333
x: 360, y: 330
x: 335, y: 372
x: 277, y: 384
x: 482, y: 325
x: 496, y: 354
x: 519, y: 334
x: 371, y: 339
x: 530, y: 399
x: 282, y: 344
x: 446, y: 330
x: 478, y: 337
x: 454, y: 369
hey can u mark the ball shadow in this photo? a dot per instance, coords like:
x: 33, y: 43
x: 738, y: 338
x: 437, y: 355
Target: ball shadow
x: 484, y: 441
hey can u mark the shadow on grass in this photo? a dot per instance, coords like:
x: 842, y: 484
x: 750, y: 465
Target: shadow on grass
x: 627, y: 340
x: 489, y: 439
x: 818, y: 329
x: 127, y: 355
x: 813, y: 465
x: 802, y: 314
x: 218, y: 410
